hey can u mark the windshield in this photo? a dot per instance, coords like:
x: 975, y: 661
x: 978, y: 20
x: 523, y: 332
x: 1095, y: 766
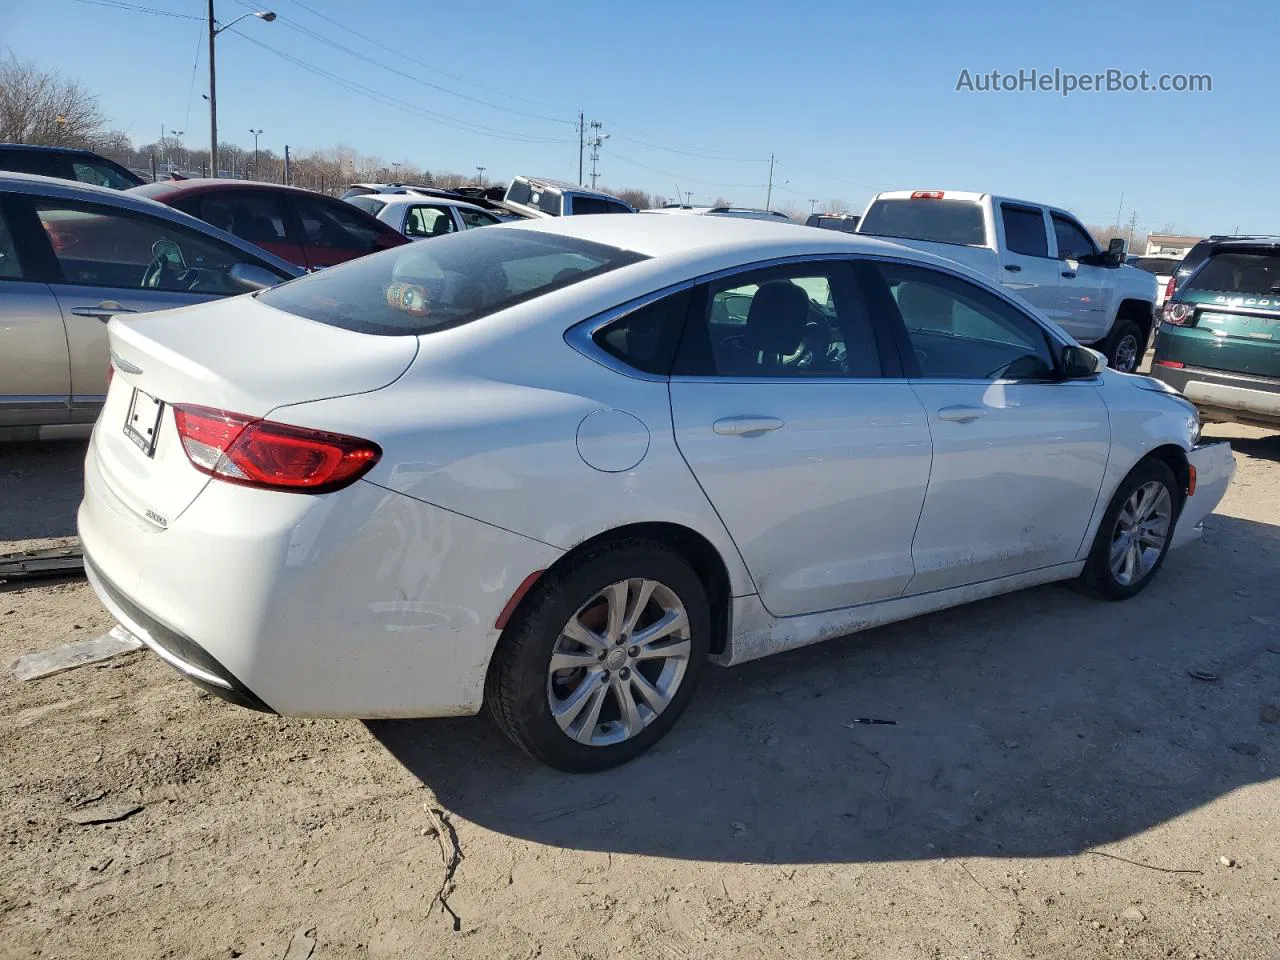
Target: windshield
x: 1156, y: 265
x: 941, y: 221
x: 1255, y: 273
x: 454, y: 279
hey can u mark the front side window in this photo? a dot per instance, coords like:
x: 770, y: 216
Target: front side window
x: 959, y: 331
x: 100, y: 175
x: 1024, y: 230
x: 797, y: 321
x: 1073, y: 242
x: 331, y: 226
x: 456, y: 279
x: 427, y: 221
x: 102, y: 247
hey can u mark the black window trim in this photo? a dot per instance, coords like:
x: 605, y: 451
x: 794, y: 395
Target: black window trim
x: 1026, y: 208
x: 910, y: 363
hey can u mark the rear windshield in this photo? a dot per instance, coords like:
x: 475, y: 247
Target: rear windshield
x: 940, y: 221
x: 454, y: 279
x: 1156, y: 265
x: 1246, y: 273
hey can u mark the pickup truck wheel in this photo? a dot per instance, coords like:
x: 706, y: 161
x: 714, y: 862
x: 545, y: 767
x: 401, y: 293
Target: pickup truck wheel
x: 1125, y: 350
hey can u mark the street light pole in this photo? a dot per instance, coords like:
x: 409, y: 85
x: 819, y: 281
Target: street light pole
x: 481, y: 171
x: 266, y: 16
x: 256, y: 134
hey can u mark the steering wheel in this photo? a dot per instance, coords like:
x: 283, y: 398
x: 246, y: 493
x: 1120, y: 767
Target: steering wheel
x: 188, y: 278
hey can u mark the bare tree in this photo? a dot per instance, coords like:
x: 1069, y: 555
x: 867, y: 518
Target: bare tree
x: 637, y: 198
x: 44, y: 107
x: 838, y: 207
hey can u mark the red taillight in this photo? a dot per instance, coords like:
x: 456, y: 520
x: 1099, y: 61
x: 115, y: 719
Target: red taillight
x: 927, y: 195
x: 1179, y: 314
x: 1168, y: 287
x: 271, y: 456
x: 1176, y: 364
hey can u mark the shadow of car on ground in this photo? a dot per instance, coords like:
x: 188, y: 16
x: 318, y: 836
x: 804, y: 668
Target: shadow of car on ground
x: 1042, y: 723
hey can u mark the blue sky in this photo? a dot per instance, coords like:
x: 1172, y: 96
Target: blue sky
x: 851, y: 97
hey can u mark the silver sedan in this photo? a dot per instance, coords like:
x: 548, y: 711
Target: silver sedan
x: 72, y: 256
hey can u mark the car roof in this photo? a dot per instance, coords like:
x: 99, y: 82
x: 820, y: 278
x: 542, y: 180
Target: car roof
x: 567, y: 186
x: 417, y: 199
x: 211, y: 184
x: 44, y: 148
x: 29, y: 183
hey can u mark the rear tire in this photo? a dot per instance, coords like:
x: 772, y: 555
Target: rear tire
x: 1125, y: 348
x: 1134, y: 536
x: 630, y: 624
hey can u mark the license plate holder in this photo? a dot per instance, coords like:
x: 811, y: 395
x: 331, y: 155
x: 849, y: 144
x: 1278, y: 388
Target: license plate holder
x: 142, y: 423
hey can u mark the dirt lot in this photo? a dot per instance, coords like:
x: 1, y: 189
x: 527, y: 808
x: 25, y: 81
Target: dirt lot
x: 1056, y: 786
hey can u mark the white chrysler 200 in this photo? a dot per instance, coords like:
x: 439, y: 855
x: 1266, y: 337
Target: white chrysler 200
x: 555, y: 467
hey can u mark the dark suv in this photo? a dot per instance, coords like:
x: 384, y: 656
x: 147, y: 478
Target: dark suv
x: 67, y: 163
x: 1219, y: 337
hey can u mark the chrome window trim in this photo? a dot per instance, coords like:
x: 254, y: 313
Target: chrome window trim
x: 581, y: 335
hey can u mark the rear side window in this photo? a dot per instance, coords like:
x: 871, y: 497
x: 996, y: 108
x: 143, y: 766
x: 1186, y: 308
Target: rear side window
x: 368, y: 204
x: 939, y: 221
x: 42, y: 162
x: 1024, y: 231
x: 548, y: 201
x: 102, y: 175
x: 519, y: 192
x: 452, y: 280
x: 333, y: 225
x: 1255, y: 274
x: 647, y: 338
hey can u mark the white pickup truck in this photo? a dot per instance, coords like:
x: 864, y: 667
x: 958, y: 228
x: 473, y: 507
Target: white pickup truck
x: 1039, y: 252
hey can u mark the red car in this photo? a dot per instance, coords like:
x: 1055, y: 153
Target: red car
x: 297, y: 225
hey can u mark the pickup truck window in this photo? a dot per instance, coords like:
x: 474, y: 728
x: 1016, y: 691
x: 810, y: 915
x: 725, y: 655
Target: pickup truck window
x: 939, y: 221
x: 1073, y: 242
x: 1024, y: 230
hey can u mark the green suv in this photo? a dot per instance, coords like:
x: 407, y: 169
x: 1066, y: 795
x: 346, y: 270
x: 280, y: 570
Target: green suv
x: 1219, y: 336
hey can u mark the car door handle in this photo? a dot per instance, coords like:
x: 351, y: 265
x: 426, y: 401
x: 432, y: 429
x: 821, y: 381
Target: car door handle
x: 745, y: 426
x: 1069, y: 274
x: 103, y: 311
x: 961, y: 414
x: 1013, y: 268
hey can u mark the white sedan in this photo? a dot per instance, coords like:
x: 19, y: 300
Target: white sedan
x: 553, y: 468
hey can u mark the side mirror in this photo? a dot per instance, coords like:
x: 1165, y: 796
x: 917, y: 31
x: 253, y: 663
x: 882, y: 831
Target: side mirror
x: 250, y: 276
x: 1116, y: 250
x: 1080, y: 363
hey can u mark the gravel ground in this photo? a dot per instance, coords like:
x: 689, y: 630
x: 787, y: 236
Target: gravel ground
x: 1056, y: 785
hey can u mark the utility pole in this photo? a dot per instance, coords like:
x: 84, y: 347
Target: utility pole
x: 597, y: 138
x: 1133, y: 223
x: 213, y: 96
x: 581, y: 133
x: 288, y: 168
x: 481, y: 171
x: 256, y: 134
x: 768, y: 197
x: 688, y: 198
x: 395, y: 170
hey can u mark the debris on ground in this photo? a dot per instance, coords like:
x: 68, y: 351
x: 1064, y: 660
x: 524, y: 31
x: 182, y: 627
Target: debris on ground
x: 1134, y: 913
x: 103, y: 813
x: 1246, y: 749
x: 114, y: 642
x: 1227, y: 861
x: 1270, y: 713
x: 33, y: 564
x: 1208, y: 676
x: 302, y: 945
x: 883, y: 723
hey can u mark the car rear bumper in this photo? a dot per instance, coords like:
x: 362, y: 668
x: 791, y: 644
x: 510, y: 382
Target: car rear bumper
x: 1225, y: 396
x: 1214, y: 466
x: 362, y: 603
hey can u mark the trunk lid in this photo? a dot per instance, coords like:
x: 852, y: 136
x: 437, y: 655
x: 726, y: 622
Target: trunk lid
x: 237, y: 355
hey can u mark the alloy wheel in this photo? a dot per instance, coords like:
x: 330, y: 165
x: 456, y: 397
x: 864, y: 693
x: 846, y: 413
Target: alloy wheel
x: 618, y: 662
x: 1141, y: 532
x: 1127, y: 354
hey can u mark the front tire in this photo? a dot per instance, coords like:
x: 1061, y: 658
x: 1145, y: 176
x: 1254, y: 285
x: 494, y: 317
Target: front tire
x: 1134, y: 536
x: 1125, y: 351
x: 602, y: 658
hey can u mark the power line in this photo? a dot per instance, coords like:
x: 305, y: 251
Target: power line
x: 420, y: 63
x: 137, y: 8
x: 191, y: 89
x: 680, y: 176
x: 387, y: 100
x: 689, y: 152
